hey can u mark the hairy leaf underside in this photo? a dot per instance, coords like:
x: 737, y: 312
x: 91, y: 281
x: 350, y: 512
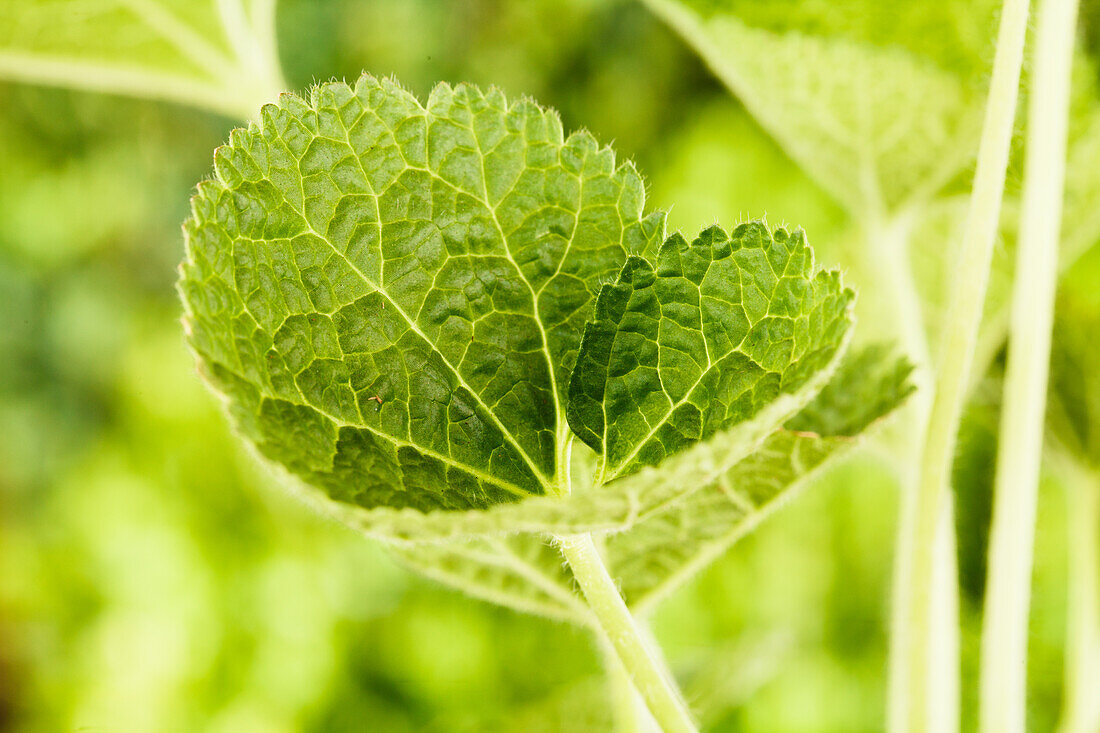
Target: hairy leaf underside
x: 667, y: 544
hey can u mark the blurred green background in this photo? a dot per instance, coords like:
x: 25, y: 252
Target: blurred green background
x: 154, y: 578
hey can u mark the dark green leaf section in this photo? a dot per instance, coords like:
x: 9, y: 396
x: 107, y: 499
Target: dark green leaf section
x: 391, y: 295
x: 701, y: 340
x: 659, y: 553
x: 1074, y: 412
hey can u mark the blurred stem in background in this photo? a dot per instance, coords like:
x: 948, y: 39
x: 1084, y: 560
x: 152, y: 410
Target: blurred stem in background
x: 887, y: 244
x: 919, y: 529
x: 1019, y: 455
x: 1081, y: 703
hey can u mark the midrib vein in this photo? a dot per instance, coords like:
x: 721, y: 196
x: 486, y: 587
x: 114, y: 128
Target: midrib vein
x: 413, y: 326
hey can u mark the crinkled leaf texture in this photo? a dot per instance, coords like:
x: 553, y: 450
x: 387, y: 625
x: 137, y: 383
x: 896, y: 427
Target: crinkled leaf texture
x: 665, y: 544
x: 391, y: 299
x: 392, y: 295
x: 703, y: 339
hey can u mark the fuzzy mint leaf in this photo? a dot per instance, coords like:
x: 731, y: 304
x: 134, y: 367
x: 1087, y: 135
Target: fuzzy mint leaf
x: 700, y: 340
x: 390, y: 295
x: 800, y: 328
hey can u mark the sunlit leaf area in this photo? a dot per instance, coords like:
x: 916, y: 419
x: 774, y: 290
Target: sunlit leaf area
x: 548, y: 365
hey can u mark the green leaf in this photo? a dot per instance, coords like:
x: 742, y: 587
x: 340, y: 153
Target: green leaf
x: 675, y: 519
x: 700, y: 340
x: 212, y: 53
x: 878, y: 125
x: 615, y: 505
x: 659, y: 554
x: 611, y: 507
x: 523, y: 572
x: 391, y: 295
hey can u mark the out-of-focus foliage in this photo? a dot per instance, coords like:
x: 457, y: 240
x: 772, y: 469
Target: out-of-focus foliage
x: 211, y: 53
x: 881, y: 104
x: 1075, y: 364
x: 152, y: 579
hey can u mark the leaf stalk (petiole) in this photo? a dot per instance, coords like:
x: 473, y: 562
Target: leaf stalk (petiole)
x: 621, y: 633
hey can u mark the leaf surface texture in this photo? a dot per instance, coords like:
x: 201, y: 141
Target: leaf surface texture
x: 391, y: 294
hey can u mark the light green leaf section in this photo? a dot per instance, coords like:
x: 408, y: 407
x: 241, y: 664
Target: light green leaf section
x: 216, y: 54
x: 876, y: 125
x: 671, y: 536
x: 523, y: 572
x: 391, y: 295
x: 702, y: 339
x: 659, y: 554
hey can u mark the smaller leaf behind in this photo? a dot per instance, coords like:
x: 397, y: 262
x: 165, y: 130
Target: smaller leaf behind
x: 701, y: 340
x: 675, y: 532
x: 663, y: 551
x: 878, y: 125
x: 524, y: 572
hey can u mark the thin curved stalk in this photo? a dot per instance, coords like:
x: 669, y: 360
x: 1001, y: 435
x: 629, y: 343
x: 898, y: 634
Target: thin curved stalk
x: 920, y: 707
x: 1081, y: 705
x: 621, y: 633
x: 1016, y: 487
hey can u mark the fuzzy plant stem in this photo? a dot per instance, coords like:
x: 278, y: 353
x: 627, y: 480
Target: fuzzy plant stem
x: 1003, y: 696
x: 1081, y: 704
x: 622, y: 633
x: 957, y: 354
x: 629, y: 712
x: 888, y: 245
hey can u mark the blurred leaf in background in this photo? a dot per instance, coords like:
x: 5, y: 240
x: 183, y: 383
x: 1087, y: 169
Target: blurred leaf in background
x: 213, y: 54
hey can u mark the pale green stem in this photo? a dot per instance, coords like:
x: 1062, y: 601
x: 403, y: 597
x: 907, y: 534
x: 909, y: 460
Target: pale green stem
x: 629, y: 711
x: 967, y: 299
x: 1081, y: 706
x: 887, y: 245
x: 621, y: 632
x: 943, y: 656
x: 1003, y: 696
